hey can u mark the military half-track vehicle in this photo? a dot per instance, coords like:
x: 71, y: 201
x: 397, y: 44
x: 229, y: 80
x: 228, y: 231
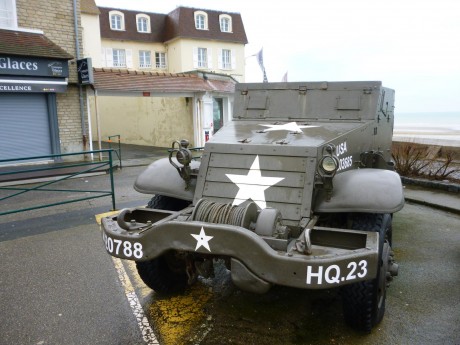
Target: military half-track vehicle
x: 298, y: 190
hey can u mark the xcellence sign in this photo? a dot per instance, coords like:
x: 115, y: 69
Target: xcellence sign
x: 30, y: 66
x: 57, y: 85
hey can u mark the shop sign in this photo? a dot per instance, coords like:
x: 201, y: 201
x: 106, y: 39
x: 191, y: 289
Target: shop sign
x: 85, y: 71
x: 57, y: 85
x: 31, y: 66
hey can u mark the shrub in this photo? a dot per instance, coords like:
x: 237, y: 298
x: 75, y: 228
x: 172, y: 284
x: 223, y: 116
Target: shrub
x: 417, y: 161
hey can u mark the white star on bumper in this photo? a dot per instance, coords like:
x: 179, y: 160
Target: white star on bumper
x: 253, y: 185
x: 291, y: 127
x: 202, y: 240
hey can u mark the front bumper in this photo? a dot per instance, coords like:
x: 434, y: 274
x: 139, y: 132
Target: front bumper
x: 160, y: 231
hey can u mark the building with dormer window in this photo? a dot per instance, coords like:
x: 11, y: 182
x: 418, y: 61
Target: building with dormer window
x: 184, y: 40
x: 139, y: 54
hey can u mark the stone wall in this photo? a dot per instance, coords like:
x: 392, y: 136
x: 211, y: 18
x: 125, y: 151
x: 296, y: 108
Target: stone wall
x: 69, y: 119
x: 56, y: 19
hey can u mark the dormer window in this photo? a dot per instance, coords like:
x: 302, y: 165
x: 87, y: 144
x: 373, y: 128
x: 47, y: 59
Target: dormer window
x: 143, y: 23
x: 117, y: 20
x: 201, y: 20
x: 225, y: 23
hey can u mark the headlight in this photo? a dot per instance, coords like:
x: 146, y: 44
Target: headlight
x: 329, y: 164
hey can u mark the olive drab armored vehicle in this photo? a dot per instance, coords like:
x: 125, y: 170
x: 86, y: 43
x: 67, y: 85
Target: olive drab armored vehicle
x: 297, y: 190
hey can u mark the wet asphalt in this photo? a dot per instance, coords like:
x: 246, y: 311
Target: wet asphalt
x: 57, y: 284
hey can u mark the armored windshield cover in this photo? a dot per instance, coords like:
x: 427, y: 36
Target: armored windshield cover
x: 308, y: 100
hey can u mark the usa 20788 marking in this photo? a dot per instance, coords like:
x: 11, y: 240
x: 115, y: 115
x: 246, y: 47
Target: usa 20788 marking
x: 333, y: 275
x: 126, y: 248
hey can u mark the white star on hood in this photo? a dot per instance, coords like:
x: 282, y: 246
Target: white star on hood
x: 202, y: 240
x: 290, y: 126
x: 253, y: 185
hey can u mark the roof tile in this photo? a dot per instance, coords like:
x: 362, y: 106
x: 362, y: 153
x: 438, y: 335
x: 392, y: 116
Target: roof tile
x: 130, y: 33
x: 30, y: 44
x: 180, y: 23
x: 108, y: 79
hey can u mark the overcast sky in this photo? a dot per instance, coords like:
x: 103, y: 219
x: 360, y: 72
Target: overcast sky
x: 412, y: 46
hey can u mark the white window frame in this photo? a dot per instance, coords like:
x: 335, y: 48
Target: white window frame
x: 145, y: 59
x: 160, y: 60
x: 119, y: 57
x: 8, y: 15
x: 227, y: 59
x: 112, y: 14
x: 225, y: 23
x: 141, y: 17
x: 202, y: 58
x: 201, y: 24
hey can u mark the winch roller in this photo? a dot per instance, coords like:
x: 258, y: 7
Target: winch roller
x: 221, y: 213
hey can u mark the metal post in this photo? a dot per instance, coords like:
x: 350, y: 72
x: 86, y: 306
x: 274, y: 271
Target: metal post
x: 119, y: 151
x: 98, y: 124
x: 112, y: 187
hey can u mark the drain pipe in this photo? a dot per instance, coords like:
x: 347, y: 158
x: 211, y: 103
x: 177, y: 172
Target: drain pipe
x: 80, y: 91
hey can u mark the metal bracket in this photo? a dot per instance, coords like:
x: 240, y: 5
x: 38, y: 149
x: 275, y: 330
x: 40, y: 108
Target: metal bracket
x: 303, y: 243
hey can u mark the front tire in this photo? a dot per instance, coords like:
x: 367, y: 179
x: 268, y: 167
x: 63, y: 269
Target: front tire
x: 166, y: 273
x: 364, y: 302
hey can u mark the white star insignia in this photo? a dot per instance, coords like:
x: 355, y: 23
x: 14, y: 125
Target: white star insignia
x: 253, y: 185
x: 202, y: 240
x: 291, y: 127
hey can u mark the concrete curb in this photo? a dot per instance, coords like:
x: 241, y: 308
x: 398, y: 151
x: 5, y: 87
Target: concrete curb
x: 448, y: 189
x: 440, y: 185
x: 432, y: 205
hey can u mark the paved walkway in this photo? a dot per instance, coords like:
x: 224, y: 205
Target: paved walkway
x: 434, y: 198
x: 136, y: 155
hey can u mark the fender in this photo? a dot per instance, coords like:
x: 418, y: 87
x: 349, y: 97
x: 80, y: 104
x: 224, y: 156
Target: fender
x: 364, y: 190
x: 162, y: 178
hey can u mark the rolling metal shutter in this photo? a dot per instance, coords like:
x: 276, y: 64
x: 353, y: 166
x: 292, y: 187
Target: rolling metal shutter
x: 24, y: 126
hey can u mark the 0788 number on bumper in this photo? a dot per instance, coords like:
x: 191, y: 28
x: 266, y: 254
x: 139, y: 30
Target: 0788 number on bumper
x: 126, y: 249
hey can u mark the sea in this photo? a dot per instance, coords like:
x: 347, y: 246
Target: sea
x: 432, y: 128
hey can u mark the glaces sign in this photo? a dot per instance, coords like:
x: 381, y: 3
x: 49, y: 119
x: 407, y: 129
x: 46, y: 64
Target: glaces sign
x: 8, y: 63
x: 31, y: 66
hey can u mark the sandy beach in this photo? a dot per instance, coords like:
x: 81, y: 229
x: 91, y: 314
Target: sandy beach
x: 440, y: 129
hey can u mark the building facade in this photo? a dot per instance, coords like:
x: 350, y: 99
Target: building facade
x: 42, y: 106
x: 186, y: 39
x: 206, y: 44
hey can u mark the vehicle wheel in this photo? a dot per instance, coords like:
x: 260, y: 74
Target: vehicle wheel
x: 364, y: 302
x: 162, y: 202
x: 167, y: 273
